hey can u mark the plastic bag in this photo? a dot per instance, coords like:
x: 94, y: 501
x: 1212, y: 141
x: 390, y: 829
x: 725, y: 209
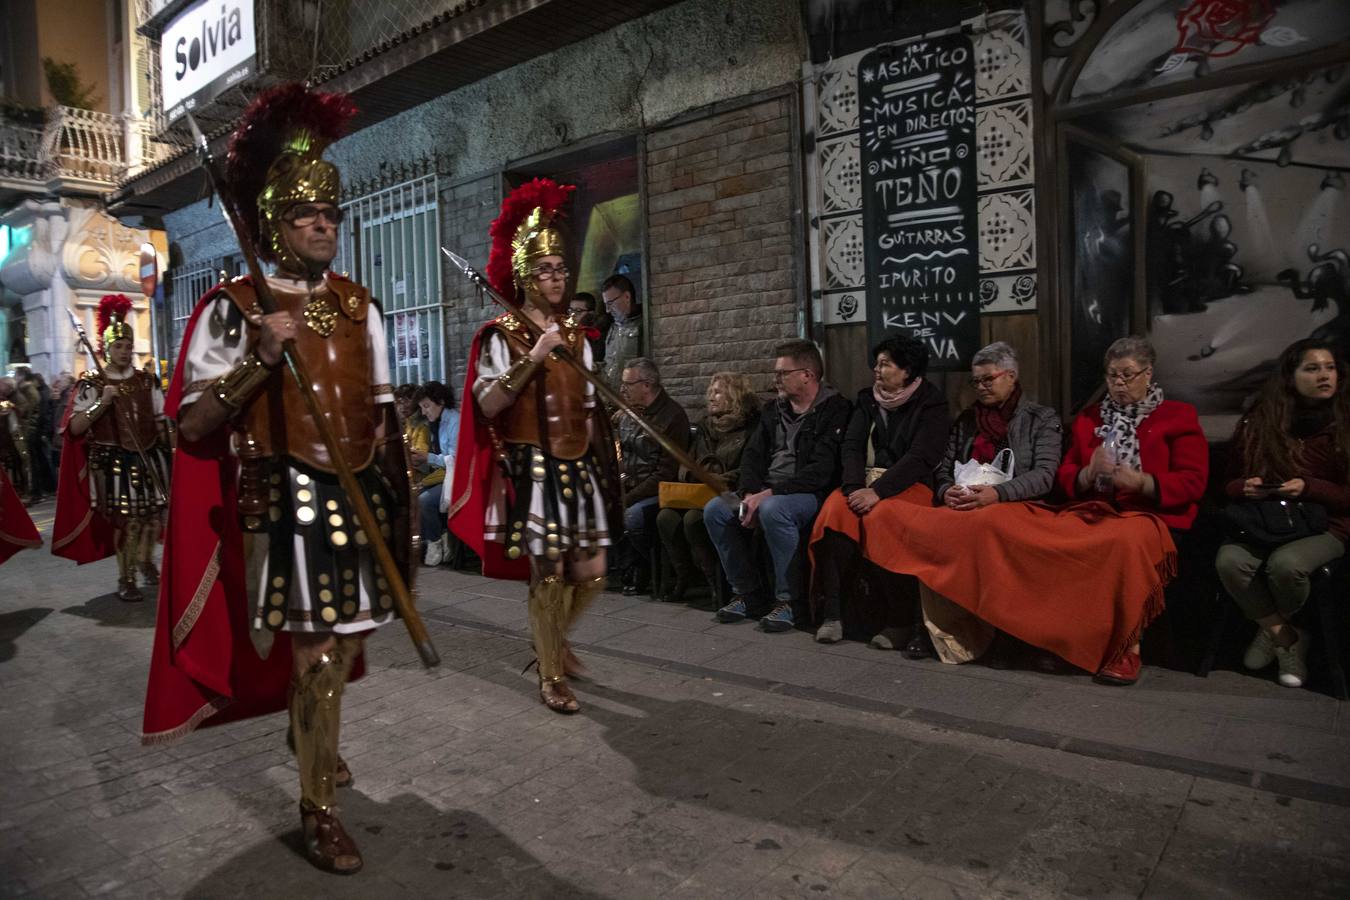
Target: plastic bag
x: 999, y: 470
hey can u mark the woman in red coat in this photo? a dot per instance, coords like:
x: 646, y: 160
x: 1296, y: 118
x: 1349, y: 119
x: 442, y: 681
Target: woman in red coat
x: 1139, y: 452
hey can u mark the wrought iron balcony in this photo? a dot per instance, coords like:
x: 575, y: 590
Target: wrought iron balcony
x: 75, y: 150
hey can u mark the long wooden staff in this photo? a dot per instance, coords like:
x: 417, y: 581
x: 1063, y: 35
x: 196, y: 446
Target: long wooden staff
x: 417, y: 629
x: 98, y: 367
x: 714, y: 481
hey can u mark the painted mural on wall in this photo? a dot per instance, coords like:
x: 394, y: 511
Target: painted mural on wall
x: 1246, y: 224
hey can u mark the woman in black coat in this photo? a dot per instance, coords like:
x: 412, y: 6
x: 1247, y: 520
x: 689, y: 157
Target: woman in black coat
x: 895, y: 439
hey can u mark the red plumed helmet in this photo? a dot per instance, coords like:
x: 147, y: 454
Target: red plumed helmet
x: 523, y: 231
x: 112, y: 319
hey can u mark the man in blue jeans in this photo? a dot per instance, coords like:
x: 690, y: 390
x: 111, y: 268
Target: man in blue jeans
x: 791, y: 464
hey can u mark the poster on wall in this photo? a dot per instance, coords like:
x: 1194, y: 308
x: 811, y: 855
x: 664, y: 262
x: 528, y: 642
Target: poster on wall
x: 921, y: 241
x: 406, y: 345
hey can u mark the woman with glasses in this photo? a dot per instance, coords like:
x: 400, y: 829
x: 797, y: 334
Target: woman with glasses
x: 1081, y: 580
x: 1000, y: 419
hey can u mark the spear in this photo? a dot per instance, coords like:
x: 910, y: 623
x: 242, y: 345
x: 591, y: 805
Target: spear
x: 136, y: 441
x: 417, y: 629
x: 714, y: 481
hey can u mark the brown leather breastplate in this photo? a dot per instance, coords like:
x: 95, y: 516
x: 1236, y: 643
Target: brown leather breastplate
x: 277, y: 422
x: 549, y: 411
x: 130, y: 424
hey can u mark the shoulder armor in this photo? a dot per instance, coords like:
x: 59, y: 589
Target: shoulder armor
x: 353, y: 298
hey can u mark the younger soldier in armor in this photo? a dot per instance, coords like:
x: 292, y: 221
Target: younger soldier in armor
x: 535, y: 475
x: 291, y: 550
x: 118, y: 415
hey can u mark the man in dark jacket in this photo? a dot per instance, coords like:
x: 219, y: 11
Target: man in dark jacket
x: 791, y: 463
x: 644, y: 465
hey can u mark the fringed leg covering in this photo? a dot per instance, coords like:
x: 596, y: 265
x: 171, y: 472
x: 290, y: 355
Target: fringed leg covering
x: 126, y: 538
x: 145, y: 550
x: 549, y: 598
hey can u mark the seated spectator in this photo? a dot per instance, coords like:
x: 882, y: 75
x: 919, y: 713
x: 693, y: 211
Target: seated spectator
x: 416, y: 434
x: 582, y: 305
x: 893, y: 442
x: 1001, y: 418
x: 643, y: 464
x: 719, y: 441
x: 1080, y: 581
x: 790, y: 464
x: 437, y: 406
x: 1292, y: 446
x: 624, y: 340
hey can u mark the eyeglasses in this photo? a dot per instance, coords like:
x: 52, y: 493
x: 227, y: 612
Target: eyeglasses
x: 987, y: 380
x: 1125, y: 377
x: 780, y: 374
x: 543, y: 273
x: 300, y: 216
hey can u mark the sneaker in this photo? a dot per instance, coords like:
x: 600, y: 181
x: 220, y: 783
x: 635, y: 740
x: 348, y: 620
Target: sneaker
x: 1261, y: 652
x: 829, y: 632
x: 887, y: 639
x: 778, y: 619
x: 735, y: 611
x: 435, y: 553
x: 1293, y: 661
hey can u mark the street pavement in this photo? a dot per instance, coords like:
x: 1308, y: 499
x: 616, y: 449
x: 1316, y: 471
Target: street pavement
x: 708, y: 761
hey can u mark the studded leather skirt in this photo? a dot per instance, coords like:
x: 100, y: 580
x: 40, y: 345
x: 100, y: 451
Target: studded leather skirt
x: 122, y: 483
x: 552, y: 506
x: 309, y: 563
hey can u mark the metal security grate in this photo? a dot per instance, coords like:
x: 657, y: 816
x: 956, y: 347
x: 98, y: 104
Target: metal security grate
x: 185, y: 286
x: 390, y: 243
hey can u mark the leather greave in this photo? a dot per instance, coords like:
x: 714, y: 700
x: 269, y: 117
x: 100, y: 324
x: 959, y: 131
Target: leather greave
x: 149, y: 536
x: 127, y: 538
x: 580, y: 596
x: 548, y: 623
x: 316, y: 712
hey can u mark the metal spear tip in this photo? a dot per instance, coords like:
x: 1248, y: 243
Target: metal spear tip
x: 460, y: 262
x: 197, y: 137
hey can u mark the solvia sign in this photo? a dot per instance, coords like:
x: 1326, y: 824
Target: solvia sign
x: 209, y: 47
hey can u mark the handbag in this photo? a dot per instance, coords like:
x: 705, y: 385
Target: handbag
x: 683, y: 495
x: 1271, y: 523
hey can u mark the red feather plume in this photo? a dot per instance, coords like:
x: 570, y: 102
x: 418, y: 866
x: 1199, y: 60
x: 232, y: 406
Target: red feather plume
x: 271, y: 120
x: 541, y: 192
x: 111, y: 307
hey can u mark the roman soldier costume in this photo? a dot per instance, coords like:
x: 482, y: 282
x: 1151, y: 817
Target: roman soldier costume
x: 537, y: 482
x: 114, y: 474
x: 260, y: 530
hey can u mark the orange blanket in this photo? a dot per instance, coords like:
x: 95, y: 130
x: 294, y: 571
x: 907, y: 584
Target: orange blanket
x: 1082, y: 581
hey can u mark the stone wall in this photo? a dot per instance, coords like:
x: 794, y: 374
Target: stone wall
x: 719, y: 202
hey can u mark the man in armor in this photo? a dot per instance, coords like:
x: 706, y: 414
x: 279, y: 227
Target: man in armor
x: 290, y: 550
x: 13, y: 445
x: 116, y: 457
x: 535, y: 476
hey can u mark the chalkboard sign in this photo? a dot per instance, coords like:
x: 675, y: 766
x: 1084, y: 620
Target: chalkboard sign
x: 921, y: 250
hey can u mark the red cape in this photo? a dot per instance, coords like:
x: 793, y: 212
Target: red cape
x: 204, y: 668
x: 476, y: 462
x: 471, y: 486
x: 79, y: 533
x: 17, y: 531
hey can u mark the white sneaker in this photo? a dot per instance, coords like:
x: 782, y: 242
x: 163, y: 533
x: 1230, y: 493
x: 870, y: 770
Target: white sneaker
x: 829, y: 632
x: 1261, y: 651
x: 435, y: 553
x: 1294, y: 661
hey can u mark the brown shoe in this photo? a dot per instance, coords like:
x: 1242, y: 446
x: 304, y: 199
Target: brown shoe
x: 327, y: 844
x: 573, y: 667
x: 558, y: 696
x: 128, y: 592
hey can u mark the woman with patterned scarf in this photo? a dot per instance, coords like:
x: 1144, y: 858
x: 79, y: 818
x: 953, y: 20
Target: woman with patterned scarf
x: 1081, y: 581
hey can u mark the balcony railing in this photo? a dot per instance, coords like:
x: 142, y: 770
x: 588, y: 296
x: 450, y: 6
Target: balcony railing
x: 80, y: 144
